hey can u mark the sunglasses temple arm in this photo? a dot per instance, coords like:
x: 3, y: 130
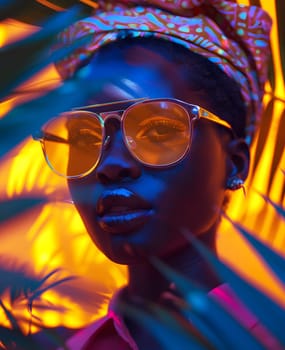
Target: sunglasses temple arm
x: 213, y: 118
x: 49, y: 137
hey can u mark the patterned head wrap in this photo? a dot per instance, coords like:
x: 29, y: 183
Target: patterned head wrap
x: 235, y: 37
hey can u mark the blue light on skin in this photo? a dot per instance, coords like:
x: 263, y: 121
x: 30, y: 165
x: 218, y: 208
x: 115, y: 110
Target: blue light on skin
x: 114, y: 83
x: 188, y: 195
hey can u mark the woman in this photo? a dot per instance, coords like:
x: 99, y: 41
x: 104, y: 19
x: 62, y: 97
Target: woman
x: 154, y: 152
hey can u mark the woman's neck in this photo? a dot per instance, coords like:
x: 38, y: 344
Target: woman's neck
x: 146, y: 282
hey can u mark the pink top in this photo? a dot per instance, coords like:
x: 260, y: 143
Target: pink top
x: 110, y: 332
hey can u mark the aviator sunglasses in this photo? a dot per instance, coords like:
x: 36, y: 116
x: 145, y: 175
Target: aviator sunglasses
x: 157, y: 132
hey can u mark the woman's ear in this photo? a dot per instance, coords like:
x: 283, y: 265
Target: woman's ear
x: 238, y: 159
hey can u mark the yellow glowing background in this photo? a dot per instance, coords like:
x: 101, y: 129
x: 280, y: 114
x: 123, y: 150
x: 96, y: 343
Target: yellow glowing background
x: 52, y: 235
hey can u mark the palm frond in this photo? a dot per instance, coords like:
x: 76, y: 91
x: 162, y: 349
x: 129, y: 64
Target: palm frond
x: 203, y: 312
x: 36, y: 12
x: 251, y: 296
x: 26, y: 290
x: 13, y: 207
x: 204, y: 323
x: 263, y: 134
x: 22, y: 59
x: 278, y: 208
x: 160, y: 326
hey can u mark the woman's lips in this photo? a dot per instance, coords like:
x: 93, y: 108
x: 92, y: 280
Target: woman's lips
x: 125, y: 222
x: 122, y: 211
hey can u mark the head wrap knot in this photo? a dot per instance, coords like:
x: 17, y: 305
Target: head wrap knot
x: 235, y: 37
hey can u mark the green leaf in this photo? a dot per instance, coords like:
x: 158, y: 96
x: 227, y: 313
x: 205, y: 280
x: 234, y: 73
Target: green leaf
x: 279, y: 209
x: 17, y: 277
x: 40, y: 292
x: 202, y: 325
x: 270, y: 314
x: 11, y: 337
x: 45, y: 305
x: 278, y: 150
x: 13, y: 320
x: 275, y: 261
x: 34, y: 12
x: 22, y: 59
x: 46, y: 277
x: 35, y: 293
x: 221, y: 323
x: 27, y: 119
x: 16, y: 206
x: 170, y: 337
x: 204, y: 313
x: 263, y: 133
x: 271, y: 71
x: 175, y: 322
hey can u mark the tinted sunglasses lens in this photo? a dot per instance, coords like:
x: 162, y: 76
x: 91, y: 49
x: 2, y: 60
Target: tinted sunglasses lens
x: 157, y: 132
x: 73, y: 142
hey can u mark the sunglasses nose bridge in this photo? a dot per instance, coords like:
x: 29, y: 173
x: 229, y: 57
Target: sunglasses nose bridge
x: 110, y: 120
x: 109, y: 117
x: 106, y: 116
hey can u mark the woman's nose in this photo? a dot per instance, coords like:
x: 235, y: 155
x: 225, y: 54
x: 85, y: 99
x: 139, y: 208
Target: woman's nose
x: 117, y: 164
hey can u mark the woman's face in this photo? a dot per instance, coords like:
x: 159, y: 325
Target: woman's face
x: 132, y: 211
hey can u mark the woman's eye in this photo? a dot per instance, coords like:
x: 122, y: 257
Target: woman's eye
x: 160, y: 129
x: 86, y: 138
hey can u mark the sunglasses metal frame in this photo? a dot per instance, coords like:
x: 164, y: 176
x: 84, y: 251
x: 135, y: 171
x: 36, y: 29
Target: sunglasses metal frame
x: 119, y: 111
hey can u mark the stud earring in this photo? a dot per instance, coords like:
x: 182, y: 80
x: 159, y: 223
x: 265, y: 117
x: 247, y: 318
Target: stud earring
x: 235, y: 183
x: 69, y: 201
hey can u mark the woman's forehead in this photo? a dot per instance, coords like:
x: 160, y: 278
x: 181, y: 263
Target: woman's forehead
x: 135, y: 71
x: 135, y: 59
